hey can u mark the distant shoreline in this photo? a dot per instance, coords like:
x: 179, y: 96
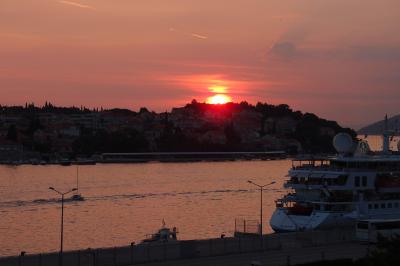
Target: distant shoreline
x: 163, y: 157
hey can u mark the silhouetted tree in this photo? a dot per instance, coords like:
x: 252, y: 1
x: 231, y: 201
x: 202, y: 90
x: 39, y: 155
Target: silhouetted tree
x: 12, y: 133
x: 232, y: 136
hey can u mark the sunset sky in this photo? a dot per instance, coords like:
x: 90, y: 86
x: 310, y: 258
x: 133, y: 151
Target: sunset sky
x: 337, y: 58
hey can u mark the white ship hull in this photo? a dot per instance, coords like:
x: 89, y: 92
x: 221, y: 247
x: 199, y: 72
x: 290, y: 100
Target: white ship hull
x: 281, y: 221
x: 332, y: 192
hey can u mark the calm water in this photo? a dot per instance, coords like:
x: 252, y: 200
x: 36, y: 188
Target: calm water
x: 127, y: 201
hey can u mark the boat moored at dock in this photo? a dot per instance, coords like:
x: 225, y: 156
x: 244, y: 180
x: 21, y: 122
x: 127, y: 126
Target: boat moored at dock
x: 331, y: 192
x: 164, y: 234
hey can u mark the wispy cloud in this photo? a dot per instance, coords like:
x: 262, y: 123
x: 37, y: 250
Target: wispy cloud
x: 76, y: 4
x: 199, y: 36
x: 194, y: 35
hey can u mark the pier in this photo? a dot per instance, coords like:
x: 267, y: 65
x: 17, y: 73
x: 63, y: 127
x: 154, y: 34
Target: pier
x: 273, y: 249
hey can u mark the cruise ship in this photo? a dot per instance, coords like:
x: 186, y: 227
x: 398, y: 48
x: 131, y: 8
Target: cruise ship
x: 330, y: 192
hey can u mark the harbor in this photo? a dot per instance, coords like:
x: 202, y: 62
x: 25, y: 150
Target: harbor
x: 313, y: 211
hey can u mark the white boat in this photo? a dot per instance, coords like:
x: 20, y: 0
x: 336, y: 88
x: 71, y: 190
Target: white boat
x: 164, y: 234
x: 330, y: 192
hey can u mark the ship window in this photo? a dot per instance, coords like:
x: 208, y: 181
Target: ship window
x: 383, y: 205
x: 369, y: 206
x: 364, y: 181
x: 390, y: 205
x: 376, y: 206
x: 357, y: 181
x: 396, y: 204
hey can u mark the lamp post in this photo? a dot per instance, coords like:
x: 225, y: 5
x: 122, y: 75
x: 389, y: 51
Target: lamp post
x: 62, y: 220
x: 261, y: 187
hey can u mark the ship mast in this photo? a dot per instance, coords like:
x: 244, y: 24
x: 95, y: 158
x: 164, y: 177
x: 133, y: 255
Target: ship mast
x: 386, y: 135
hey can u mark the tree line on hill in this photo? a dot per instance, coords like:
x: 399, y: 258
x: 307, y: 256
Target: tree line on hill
x: 123, y: 130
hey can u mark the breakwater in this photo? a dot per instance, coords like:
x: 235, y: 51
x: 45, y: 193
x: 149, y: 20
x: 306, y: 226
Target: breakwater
x: 189, y: 156
x: 181, y: 250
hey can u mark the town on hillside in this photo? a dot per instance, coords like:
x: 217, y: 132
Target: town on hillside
x: 32, y: 133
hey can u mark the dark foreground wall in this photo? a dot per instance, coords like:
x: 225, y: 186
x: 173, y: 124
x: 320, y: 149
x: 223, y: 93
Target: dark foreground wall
x: 174, y: 251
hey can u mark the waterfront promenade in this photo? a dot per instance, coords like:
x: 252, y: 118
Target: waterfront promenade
x: 274, y: 249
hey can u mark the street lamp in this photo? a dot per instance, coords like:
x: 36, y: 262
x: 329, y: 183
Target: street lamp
x: 62, y: 219
x: 261, y: 203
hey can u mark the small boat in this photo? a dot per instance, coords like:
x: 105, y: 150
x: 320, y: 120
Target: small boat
x: 77, y: 196
x: 164, y: 234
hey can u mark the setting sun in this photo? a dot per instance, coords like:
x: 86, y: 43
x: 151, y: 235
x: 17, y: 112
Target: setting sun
x: 219, y: 99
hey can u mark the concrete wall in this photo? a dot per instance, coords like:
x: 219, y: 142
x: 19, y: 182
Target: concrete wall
x: 152, y: 252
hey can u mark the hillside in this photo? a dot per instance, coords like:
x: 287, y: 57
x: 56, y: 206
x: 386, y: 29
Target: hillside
x: 51, y: 131
x: 377, y: 127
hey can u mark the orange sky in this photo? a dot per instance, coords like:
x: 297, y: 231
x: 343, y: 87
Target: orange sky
x: 337, y: 58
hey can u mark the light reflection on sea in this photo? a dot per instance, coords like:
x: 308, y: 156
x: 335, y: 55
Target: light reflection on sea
x: 124, y: 202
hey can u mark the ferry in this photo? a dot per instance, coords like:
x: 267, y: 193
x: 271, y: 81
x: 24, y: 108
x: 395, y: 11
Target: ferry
x: 331, y: 192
